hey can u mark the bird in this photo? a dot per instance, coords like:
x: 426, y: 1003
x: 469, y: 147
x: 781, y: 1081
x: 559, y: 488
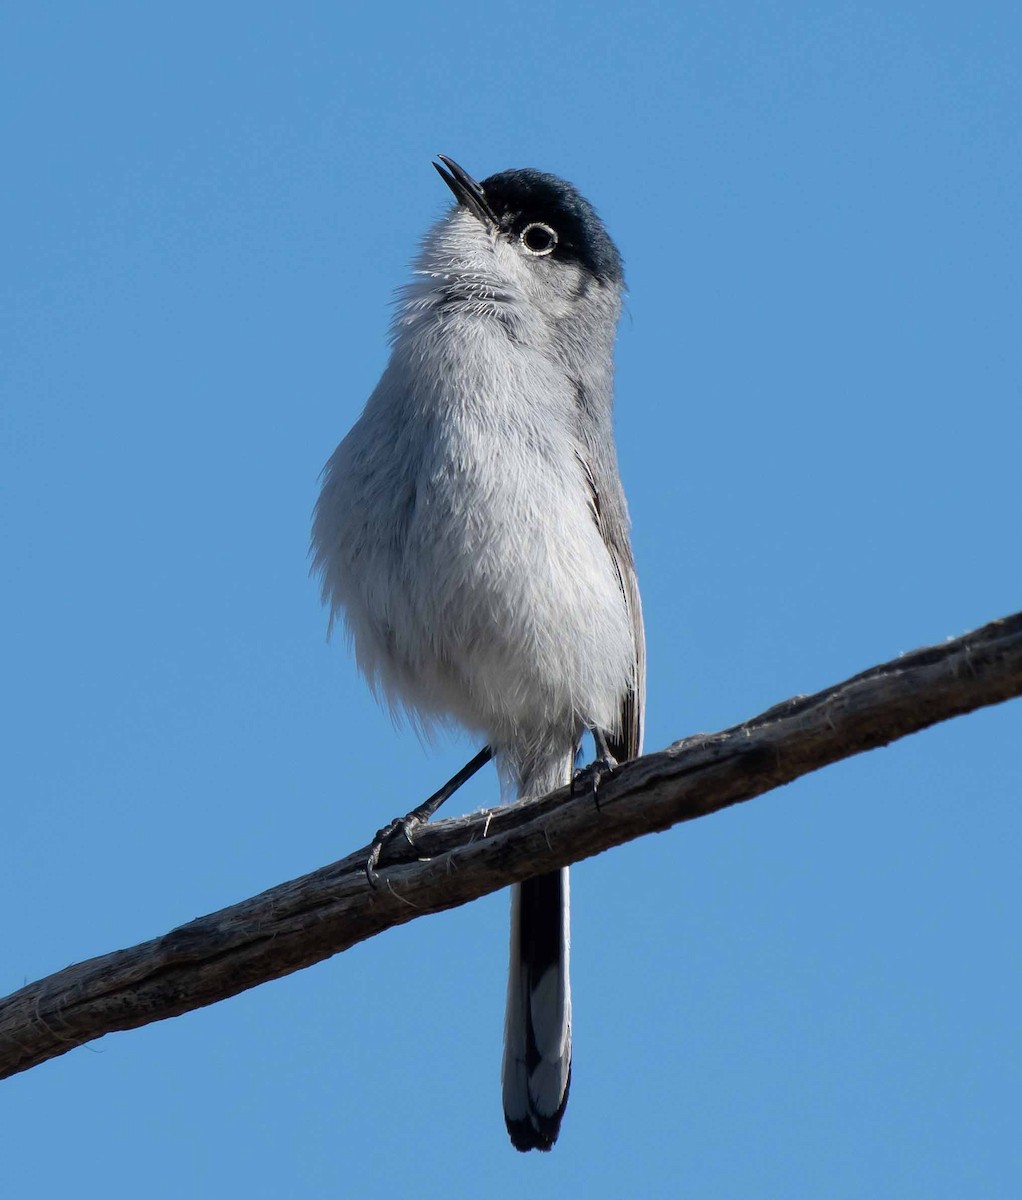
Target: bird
x: 472, y: 534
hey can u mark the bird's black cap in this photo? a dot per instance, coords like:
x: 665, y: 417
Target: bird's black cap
x: 516, y: 198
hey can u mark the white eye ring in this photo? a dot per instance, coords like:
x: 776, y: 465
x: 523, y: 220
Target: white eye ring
x: 543, y: 236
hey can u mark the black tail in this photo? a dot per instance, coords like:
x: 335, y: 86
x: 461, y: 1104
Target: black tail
x: 537, y: 1032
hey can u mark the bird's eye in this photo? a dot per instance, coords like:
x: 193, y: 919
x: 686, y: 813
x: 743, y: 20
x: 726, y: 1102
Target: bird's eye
x: 538, y: 238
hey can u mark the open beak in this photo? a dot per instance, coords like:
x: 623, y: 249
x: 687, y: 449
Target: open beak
x: 467, y: 191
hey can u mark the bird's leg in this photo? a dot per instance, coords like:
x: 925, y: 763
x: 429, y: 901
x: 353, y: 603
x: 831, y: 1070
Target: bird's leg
x: 603, y: 755
x: 418, y: 816
x: 593, y: 775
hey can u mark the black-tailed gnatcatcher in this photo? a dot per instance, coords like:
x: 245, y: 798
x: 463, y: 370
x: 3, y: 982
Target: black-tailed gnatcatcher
x: 472, y: 533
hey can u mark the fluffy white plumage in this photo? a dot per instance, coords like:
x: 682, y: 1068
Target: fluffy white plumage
x: 455, y: 530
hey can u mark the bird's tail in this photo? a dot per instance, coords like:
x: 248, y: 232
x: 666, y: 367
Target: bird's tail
x: 537, y: 1029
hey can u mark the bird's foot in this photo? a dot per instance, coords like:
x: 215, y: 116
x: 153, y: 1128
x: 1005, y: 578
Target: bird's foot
x: 400, y: 827
x: 405, y: 826
x: 589, y: 778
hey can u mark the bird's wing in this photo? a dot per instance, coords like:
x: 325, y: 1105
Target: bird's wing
x: 612, y: 523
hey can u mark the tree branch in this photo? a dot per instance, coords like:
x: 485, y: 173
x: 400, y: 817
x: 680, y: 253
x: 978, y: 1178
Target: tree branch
x: 308, y: 919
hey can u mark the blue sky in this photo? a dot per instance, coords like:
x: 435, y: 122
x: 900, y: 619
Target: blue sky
x: 205, y: 212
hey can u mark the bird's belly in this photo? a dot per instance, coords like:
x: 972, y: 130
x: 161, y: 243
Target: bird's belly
x: 513, y: 614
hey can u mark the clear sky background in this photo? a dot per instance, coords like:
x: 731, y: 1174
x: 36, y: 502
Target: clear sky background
x: 204, y: 213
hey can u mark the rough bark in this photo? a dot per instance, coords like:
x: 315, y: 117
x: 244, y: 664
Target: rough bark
x: 308, y: 919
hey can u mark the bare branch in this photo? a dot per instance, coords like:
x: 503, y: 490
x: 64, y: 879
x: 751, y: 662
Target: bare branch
x: 308, y: 919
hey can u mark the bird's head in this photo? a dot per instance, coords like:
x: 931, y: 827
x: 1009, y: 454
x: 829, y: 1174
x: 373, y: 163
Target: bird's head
x: 529, y: 232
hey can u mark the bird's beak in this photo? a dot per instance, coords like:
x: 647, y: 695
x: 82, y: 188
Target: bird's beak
x: 467, y: 191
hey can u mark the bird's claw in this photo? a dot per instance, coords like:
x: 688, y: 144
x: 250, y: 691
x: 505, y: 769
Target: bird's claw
x: 399, y: 827
x: 590, y: 778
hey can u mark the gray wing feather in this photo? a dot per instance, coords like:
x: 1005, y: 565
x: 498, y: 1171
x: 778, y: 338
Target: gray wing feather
x: 611, y: 517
